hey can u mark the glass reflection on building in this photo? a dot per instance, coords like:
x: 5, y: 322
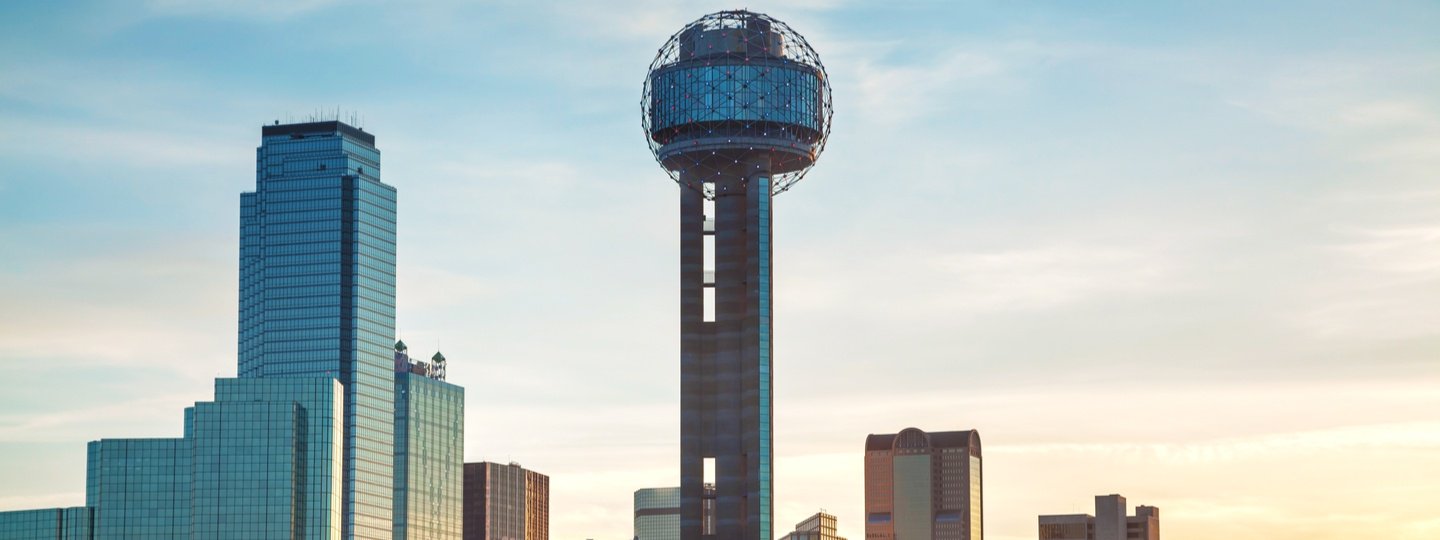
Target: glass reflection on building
x: 429, y: 450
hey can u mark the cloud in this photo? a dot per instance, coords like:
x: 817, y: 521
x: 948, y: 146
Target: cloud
x: 1407, y: 250
x: 129, y: 297
x: 1046, y: 277
x: 132, y: 418
x: 1372, y: 110
x: 890, y: 93
x: 1384, y: 252
x: 1388, y: 113
x: 47, y: 500
x: 923, y: 282
x: 1419, y: 436
x: 253, y: 9
x: 90, y: 143
x: 652, y: 21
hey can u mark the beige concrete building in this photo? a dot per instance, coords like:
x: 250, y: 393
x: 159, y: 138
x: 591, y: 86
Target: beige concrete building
x: 1108, y: 523
x: 820, y: 526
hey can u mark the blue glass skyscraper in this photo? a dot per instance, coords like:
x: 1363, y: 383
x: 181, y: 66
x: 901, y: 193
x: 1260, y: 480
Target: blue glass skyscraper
x: 317, y: 293
x: 310, y: 441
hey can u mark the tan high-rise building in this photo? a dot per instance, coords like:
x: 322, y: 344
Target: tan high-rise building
x: 506, y: 502
x: 924, y: 486
x: 820, y: 526
x: 1108, y: 523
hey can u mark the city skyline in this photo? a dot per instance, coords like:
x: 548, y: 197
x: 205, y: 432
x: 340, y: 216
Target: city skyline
x: 1215, y: 223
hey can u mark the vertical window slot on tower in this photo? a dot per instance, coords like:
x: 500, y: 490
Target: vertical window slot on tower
x: 707, y: 272
x: 709, y: 248
x: 709, y: 293
x: 707, y: 499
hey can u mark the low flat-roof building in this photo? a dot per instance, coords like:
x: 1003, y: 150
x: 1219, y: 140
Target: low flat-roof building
x: 48, y: 524
x: 657, y: 513
x: 1108, y: 523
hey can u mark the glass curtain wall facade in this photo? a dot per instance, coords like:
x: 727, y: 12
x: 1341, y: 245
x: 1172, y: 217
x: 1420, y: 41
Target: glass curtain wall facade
x: 924, y: 485
x: 429, y: 451
x: 239, y: 447
x: 267, y: 459
x: 48, y: 524
x: 140, y: 488
x: 657, y: 514
x: 261, y: 461
x: 317, y: 293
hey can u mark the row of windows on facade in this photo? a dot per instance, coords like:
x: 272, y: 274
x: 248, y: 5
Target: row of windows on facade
x: 287, y: 146
x: 255, y: 253
x: 331, y: 183
x: 370, y: 211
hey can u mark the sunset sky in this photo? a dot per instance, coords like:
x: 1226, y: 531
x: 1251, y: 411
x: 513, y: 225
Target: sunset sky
x: 1187, y: 252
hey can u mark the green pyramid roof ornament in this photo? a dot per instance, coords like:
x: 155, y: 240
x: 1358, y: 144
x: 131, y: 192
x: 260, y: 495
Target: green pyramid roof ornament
x: 400, y: 345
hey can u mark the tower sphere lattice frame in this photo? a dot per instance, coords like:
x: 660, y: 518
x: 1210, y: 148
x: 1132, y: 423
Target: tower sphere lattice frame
x: 731, y: 88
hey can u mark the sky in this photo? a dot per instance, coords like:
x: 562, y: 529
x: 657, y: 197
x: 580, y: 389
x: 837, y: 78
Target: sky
x: 1187, y: 252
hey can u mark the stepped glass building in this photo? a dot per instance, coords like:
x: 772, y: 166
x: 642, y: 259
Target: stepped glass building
x: 310, y: 441
x: 317, y: 293
x: 736, y: 108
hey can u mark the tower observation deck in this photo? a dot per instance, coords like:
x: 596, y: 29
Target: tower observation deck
x: 736, y: 109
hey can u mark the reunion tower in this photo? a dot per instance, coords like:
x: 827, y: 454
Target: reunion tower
x: 736, y: 108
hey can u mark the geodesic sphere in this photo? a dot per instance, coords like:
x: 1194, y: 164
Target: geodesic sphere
x: 736, y: 87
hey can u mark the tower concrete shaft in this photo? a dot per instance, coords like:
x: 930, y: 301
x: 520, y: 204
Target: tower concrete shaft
x: 725, y: 351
